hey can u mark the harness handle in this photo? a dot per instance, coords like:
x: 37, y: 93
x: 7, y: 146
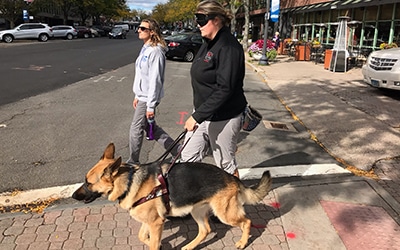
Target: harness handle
x: 169, y: 149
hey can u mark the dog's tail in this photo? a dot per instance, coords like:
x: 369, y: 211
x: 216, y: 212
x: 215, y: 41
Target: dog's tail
x: 255, y: 194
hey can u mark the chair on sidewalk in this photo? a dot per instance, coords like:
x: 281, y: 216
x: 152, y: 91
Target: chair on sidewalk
x: 317, y: 54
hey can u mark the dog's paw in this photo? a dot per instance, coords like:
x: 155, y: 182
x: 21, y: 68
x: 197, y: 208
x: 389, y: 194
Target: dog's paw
x: 240, y: 244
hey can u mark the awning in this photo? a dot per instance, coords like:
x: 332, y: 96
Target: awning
x: 337, y: 4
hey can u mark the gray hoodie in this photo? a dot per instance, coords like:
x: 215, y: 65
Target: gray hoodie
x: 148, y: 85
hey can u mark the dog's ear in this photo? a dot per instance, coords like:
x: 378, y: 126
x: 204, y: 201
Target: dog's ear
x: 109, y: 152
x: 114, y: 167
x: 112, y: 170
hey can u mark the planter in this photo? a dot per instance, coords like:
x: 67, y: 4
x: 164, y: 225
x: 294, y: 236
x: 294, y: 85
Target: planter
x: 257, y: 56
x: 328, y: 57
x: 303, y: 52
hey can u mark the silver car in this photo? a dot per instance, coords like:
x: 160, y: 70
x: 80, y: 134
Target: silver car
x: 64, y: 31
x: 39, y: 31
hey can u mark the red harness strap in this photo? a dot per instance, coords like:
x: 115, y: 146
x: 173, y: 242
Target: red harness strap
x: 160, y: 190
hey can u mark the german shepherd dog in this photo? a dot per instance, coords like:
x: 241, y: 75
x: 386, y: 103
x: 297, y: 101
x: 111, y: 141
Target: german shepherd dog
x: 194, y: 188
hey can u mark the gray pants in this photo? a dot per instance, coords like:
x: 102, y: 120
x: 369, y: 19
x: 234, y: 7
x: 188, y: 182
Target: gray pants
x: 136, y: 134
x: 221, y: 137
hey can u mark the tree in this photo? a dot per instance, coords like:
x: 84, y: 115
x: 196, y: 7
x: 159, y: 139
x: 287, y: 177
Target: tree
x: 180, y: 10
x: 11, y: 10
x: 246, y: 24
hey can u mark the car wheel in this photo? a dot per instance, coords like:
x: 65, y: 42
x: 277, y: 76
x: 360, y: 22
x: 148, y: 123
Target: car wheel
x: 86, y: 35
x: 43, y: 38
x: 8, y: 38
x: 70, y: 36
x: 189, y: 56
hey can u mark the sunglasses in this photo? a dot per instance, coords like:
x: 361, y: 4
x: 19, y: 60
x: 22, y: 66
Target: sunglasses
x: 202, y: 19
x: 141, y: 28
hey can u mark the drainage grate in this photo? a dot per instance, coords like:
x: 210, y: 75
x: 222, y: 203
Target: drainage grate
x: 279, y: 126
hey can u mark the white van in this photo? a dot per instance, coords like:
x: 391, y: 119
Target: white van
x: 124, y: 26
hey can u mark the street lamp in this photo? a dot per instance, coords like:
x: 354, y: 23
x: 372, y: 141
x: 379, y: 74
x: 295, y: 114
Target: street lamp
x: 264, y: 58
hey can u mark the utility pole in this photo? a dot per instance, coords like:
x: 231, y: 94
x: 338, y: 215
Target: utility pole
x: 264, y: 58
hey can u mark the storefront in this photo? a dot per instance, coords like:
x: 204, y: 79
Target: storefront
x: 372, y: 24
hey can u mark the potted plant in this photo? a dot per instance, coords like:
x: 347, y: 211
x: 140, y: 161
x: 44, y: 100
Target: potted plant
x: 255, y: 50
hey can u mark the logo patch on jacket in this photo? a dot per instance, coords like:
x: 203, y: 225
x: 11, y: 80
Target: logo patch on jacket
x: 208, y: 56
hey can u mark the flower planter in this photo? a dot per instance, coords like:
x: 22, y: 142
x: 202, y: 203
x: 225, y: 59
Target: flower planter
x: 257, y: 56
x: 303, y: 52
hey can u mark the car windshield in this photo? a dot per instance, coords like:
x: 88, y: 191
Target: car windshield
x: 177, y: 37
x: 116, y: 29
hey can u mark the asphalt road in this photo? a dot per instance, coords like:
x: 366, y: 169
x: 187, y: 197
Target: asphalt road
x: 52, y: 131
x: 28, y: 68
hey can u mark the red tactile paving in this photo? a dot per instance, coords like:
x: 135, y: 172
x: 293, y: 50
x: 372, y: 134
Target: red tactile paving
x: 363, y: 227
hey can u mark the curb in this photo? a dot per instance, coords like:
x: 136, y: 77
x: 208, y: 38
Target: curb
x: 63, y: 192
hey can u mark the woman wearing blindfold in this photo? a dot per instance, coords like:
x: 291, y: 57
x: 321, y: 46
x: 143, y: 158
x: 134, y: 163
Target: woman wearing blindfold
x: 148, y: 87
x: 217, y: 75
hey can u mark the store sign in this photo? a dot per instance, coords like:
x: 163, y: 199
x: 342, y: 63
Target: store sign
x: 25, y: 15
x: 274, y: 10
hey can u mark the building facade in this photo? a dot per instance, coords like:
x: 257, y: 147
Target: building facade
x: 371, y: 23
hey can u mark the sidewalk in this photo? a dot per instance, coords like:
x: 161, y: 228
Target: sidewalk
x: 335, y: 211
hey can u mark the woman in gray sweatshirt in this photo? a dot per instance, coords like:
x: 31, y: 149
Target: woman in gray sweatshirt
x: 148, y: 88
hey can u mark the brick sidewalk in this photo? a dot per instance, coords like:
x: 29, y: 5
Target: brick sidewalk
x: 103, y: 225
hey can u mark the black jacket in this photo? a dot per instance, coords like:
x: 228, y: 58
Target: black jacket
x: 217, y: 79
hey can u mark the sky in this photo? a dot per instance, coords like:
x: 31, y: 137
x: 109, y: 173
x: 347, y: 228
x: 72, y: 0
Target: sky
x: 145, y: 5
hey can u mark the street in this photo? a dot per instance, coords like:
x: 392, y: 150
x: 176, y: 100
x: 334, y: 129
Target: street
x: 319, y: 206
x: 29, y: 67
x: 51, y: 139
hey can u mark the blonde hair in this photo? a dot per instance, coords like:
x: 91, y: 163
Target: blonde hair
x: 215, y: 8
x: 156, y: 37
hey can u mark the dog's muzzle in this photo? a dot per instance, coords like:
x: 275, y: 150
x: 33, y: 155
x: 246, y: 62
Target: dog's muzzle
x: 85, y: 194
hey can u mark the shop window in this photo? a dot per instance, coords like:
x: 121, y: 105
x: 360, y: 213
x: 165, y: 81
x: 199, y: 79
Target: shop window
x: 370, y: 13
x: 383, y: 33
x: 396, y: 35
x: 334, y: 15
x: 325, y: 17
x: 318, y: 16
x: 358, y: 14
x: 397, y: 12
x: 369, y: 33
x: 386, y: 12
x: 332, y: 33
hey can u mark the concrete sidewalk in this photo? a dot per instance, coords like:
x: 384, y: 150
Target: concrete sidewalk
x: 324, y: 211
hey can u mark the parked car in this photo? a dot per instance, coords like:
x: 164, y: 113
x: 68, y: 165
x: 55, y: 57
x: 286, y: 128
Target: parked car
x: 382, y: 69
x: 105, y: 28
x: 125, y: 26
x: 97, y: 32
x: 64, y: 31
x: 117, y: 32
x: 183, y: 45
x: 39, y: 31
x: 83, y: 32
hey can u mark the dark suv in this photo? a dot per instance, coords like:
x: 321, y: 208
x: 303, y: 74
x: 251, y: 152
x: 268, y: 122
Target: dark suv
x: 39, y: 31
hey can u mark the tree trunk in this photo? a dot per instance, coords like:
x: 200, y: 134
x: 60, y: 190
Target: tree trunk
x: 246, y: 24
